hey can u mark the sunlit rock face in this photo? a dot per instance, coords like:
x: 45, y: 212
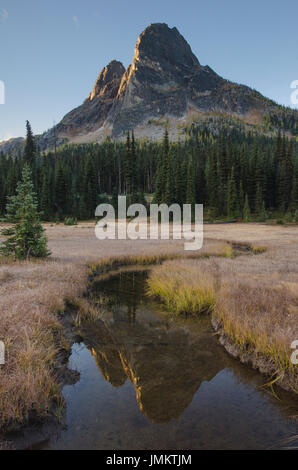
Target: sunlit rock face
x: 108, y: 81
x: 165, y: 360
x: 91, y: 115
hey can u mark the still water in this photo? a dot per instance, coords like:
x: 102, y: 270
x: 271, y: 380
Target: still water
x: 149, y: 380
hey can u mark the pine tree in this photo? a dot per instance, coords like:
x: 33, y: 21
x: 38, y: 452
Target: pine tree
x: 114, y: 200
x: 90, y: 188
x: 294, y: 192
x: 159, y: 189
x: 26, y: 237
x: 133, y: 164
x: 212, y: 180
x: 246, y: 210
x: 163, y: 172
x: 30, y: 148
x: 263, y: 213
x: 169, y: 180
x: 241, y: 198
x: 258, y: 199
x: 232, y: 201
x: 129, y: 166
x: 45, y: 197
x: 60, y: 190
x: 190, y: 186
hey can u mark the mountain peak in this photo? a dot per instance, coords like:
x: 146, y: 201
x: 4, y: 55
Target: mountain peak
x: 108, y: 81
x: 160, y: 43
x: 164, y: 82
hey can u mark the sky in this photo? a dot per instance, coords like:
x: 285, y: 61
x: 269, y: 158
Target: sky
x: 52, y: 51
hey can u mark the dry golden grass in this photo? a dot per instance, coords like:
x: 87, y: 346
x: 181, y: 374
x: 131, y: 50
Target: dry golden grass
x: 31, y: 294
x: 261, y: 320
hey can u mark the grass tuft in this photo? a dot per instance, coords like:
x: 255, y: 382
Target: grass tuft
x: 182, y: 289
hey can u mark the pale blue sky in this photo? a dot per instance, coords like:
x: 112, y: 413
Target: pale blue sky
x: 52, y: 51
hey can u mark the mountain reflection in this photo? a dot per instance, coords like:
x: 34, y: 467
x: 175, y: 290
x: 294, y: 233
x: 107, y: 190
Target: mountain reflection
x: 165, y: 358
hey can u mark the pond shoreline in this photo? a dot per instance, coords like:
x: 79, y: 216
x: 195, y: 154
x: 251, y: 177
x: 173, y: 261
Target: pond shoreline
x: 255, y: 360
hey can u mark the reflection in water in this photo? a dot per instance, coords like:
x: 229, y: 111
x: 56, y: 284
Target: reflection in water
x: 165, y: 360
x: 190, y: 394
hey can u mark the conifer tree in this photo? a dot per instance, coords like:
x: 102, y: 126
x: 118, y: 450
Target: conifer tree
x: 241, y: 197
x: 128, y: 167
x: 45, y: 197
x: 258, y: 199
x: 163, y: 172
x: 263, y: 213
x: 212, y: 180
x: 246, y: 210
x: 90, y: 188
x: 30, y: 148
x: 26, y: 237
x: 133, y: 164
x: 60, y: 190
x: 294, y: 192
x: 232, y: 201
x: 190, y: 186
x: 159, y: 188
x: 169, y: 180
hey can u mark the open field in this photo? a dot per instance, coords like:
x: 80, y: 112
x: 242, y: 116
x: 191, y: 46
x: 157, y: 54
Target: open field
x: 259, y: 297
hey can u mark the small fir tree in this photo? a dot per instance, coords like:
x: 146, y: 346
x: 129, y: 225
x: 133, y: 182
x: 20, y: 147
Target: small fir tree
x: 30, y: 148
x: 246, y: 210
x: 25, y: 238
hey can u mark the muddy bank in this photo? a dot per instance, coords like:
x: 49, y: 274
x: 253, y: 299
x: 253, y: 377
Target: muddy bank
x: 255, y: 360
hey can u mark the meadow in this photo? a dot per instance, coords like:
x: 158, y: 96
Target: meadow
x: 252, y: 297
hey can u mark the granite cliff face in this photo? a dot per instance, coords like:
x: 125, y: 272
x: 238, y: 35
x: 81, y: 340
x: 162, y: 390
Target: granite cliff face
x: 92, y: 114
x: 165, y: 81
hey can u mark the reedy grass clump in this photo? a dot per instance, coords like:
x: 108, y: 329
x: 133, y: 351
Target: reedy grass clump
x: 182, y: 289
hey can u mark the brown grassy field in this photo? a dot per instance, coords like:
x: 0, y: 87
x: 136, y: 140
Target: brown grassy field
x: 262, y: 287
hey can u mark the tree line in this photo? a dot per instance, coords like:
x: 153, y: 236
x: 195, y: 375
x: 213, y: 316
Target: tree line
x: 233, y: 173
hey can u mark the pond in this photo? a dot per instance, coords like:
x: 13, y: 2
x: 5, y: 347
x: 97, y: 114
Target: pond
x: 150, y: 380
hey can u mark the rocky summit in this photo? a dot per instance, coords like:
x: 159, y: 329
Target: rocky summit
x: 164, y: 83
